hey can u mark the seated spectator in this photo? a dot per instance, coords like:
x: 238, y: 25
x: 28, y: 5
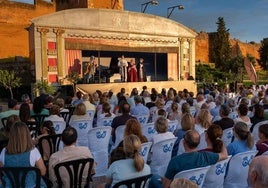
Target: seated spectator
x: 38, y: 107
x: 153, y: 100
x: 106, y: 111
x: 243, y: 139
x: 60, y: 102
x: 4, y: 134
x: 139, y: 108
x: 213, y: 139
x: 203, y: 121
x: 258, y: 115
x: 89, y: 105
x: 48, y: 102
x: 182, y: 183
x: 131, y: 167
x: 69, y: 152
x: 132, y: 127
x: 25, y: 99
x: 20, y: 152
x: 78, y: 98
x: 159, y: 104
x: 188, y: 160
x: 243, y: 115
x: 25, y: 113
x: 161, y: 127
x: 225, y: 122
x: 262, y: 144
x: 175, y: 114
x: 257, y: 173
x: 11, y: 109
x: 54, y: 114
x: 80, y: 113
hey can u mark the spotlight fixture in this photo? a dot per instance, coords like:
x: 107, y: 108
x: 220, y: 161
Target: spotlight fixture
x: 144, y: 5
x: 171, y: 9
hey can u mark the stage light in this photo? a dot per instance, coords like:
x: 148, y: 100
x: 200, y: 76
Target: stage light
x: 144, y: 5
x: 171, y: 9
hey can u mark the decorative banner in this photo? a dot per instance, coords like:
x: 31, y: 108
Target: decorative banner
x: 250, y: 70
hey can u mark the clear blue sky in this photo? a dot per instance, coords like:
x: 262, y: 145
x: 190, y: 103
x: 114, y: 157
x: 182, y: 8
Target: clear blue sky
x: 246, y: 19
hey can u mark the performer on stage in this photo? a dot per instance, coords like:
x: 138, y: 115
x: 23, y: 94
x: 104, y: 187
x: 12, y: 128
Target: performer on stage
x: 123, y: 68
x: 90, y: 69
x: 132, y: 72
x: 141, y: 71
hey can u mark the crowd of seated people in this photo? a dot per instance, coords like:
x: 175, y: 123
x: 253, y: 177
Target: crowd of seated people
x: 207, y: 114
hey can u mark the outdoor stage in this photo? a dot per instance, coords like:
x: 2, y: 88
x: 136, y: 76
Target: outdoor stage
x: 158, y: 85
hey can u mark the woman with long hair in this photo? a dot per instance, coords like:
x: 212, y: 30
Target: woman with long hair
x: 243, y: 139
x: 203, y: 121
x: 131, y: 167
x: 20, y: 152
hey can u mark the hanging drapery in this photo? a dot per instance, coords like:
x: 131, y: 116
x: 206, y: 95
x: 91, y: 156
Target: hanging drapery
x: 73, y: 60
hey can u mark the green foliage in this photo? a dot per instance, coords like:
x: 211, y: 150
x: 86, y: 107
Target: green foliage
x: 9, y: 80
x: 263, y: 51
x: 43, y: 87
x: 73, y: 77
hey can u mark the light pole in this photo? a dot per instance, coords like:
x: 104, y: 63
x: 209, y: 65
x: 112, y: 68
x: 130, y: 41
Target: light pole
x: 144, y: 5
x: 171, y: 9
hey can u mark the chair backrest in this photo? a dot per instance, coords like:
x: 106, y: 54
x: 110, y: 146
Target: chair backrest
x: 98, y: 141
x: 172, y: 126
x: 145, y: 149
x: 255, y: 131
x: 236, y: 175
x: 233, y: 115
x: 66, y: 116
x: 138, y: 182
x: 181, y: 149
x: 227, y: 136
x: 203, y: 143
x: 106, y: 121
x: 265, y: 153
x: 216, y: 173
x: 3, y: 144
x: 119, y: 134
x: 39, y: 118
x: 148, y: 131
x: 4, y: 122
x: 82, y: 127
x: 59, y: 126
x: 161, y: 150
x: 22, y: 177
x: 143, y: 119
x: 48, y: 145
x: 34, y: 128
x: 196, y: 175
x: 76, y: 169
x: 91, y: 113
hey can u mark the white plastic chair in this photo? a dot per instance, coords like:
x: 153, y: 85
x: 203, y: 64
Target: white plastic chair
x: 196, y: 175
x: 91, y: 113
x: 98, y: 141
x: 255, y: 131
x: 145, y: 149
x: 237, y: 173
x: 161, y: 155
x: 181, y: 149
x: 148, y: 131
x: 265, y: 153
x: 59, y: 126
x: 172, y: 126
x: 119, y: 135
x: 227, y: 135
x: 216, y: 173
x: 82, y: 127
x: 233, y: 115
x: 143, y: 119
x: 106, y: 121
x: 203, y: 143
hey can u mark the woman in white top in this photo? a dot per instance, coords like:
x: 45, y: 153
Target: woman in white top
x: 161, y: 127
x: 79, y: 113
x: 203, y: 121
x: 243, y: 115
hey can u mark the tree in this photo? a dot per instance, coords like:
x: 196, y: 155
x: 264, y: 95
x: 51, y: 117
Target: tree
x: 9, y: 80
x: 221, y: 51
x: 263, y: 51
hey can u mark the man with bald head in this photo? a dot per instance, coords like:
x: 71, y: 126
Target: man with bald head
x: 191, y: 158
x: 258, y: 173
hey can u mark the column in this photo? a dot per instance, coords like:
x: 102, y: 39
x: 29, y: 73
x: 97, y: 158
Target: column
x: 192, y: 57
x: 43, y: 36
x: 59, y: 46
x: 181, y: 72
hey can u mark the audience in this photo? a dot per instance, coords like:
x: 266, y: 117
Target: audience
x: 182, y: 183
x: 262, y: 143
x: 257, y: 173
x: 225, y: 122
x: 161, y: 127
x: 25, y: 113
x: 11, y: 109
x: 203, y: 121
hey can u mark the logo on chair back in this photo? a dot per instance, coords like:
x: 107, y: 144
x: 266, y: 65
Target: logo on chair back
x: 167, y: 148
x: 142, y: 120
x: 151, y: 130
x: 144, y: 151
x: 229, y: 135
x: 171, y: 128
x: 57, y: 127
x: 101, y: 134
x: 246, y: 160
x: 82, y: 125
x: 198, y: 180
x: 107, y: 122
x: 220, y: 169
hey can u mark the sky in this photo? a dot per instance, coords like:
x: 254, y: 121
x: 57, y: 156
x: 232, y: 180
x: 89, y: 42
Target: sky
x: 247, y: 20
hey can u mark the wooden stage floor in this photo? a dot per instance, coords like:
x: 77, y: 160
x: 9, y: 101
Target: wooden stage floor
x: 158, y: 85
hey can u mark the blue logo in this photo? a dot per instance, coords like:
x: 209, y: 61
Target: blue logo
x: 82, y: 125
x: 220, y: 169
x: 171, y: 128
x: 151, y: 130
x: 247, y: 160
x: 57, y: 127
x: 199, y: 180
x: 107, y: 122
x: 101, y: 134
x: 167, y: 148
x: 229, y: 135
x: 144, y: 151
x: 142, y: 120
